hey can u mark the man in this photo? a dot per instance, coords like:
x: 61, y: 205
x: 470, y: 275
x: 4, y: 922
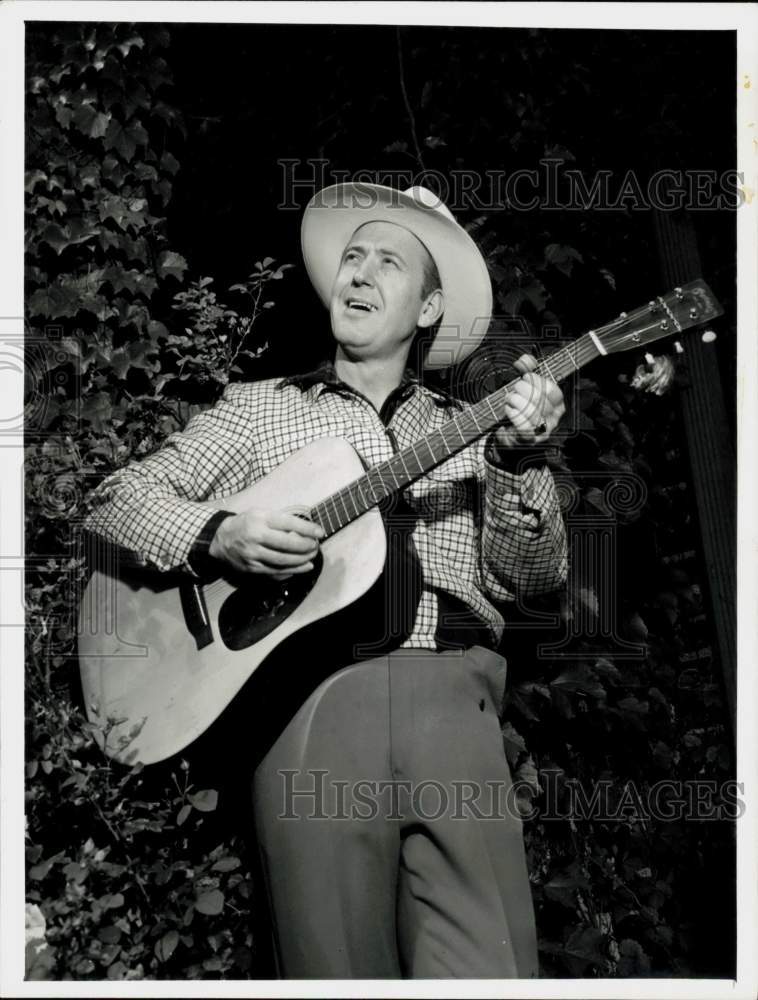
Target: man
x: 389, y: 841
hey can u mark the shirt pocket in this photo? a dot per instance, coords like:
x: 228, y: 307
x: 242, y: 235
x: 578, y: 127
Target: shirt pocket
x: 279, y: 442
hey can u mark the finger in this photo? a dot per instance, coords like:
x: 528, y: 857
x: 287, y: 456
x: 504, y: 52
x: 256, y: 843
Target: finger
x: 527, y: 401
x: 520, y: 421
x: 286, y: 521
x: 531, y: 383
x: 554, y: 393
x: 526, y: 363
x: 274, y: 559
x: 286, y: 541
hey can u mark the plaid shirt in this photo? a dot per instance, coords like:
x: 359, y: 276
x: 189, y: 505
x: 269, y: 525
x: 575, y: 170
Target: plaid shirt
x: 482, y: 534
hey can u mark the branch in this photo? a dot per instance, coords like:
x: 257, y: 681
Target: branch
x: 406, y: 101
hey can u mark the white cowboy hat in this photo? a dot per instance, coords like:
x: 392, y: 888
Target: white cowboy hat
x: 332, y: 216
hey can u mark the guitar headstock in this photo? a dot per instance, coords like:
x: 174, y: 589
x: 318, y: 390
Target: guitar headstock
x: 684, y: 307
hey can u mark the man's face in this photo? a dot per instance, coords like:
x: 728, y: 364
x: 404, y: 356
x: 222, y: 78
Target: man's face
x: 376, y: 301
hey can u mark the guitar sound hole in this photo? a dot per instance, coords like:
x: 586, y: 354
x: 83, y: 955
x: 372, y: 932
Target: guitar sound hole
x: 259, y: 605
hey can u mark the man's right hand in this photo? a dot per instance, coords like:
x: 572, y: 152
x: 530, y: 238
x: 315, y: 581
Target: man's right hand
x: 274, y: 543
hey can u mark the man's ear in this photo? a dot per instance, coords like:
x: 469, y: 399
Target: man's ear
x: 432, y: 309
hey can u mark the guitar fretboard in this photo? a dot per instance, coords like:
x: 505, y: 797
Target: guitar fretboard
x: 411, y: 463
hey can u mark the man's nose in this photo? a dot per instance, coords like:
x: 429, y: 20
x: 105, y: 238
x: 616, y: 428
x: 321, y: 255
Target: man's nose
x: 364, y: 273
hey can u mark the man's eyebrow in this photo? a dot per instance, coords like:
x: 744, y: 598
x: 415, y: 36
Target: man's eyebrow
x: 384, y: 251
x: 354, y: 246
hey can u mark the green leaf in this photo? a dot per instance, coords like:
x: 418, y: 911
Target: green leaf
x: 75, y: 872
x: 204, y: 801
x: 125, y: 138
x: 226, y: 865
x: 562, y: 257
x: 537, y: 295
x: 32, y: 178
x: 55, y: 236
x: 129, y: 43
x: 636, y: 628
x: 607, y: 669
x: 135, y: 355
x: 562, y: 888
x: 63, y: 115
x: 634, y: 706
x: 117, y: 971
x: 98, y: 409
x: 90, y: 122
x: 166, y: 947
x: 663, y: 755
x: 169, y: 163
x: 38, y: 872
x: 634, y: 961
x: 513, y: 742
x: 580, y: 679
x: 210, y: 903
x: 172, y: 264
x: 156, y: 329
x: 183, y: 813
x: 113, y: 171
x: 110, y: 934
x: 584, y: 945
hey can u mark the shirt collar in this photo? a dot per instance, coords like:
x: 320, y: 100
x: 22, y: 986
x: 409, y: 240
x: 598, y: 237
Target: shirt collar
x: 324, y: 376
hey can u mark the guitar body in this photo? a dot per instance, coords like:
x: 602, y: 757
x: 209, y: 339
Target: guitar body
x: 141, y: 664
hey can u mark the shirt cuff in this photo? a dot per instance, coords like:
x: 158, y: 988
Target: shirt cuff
x: 515, y: 460
x: 199, y: 559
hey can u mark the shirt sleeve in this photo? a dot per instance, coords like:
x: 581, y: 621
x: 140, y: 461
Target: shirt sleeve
x: 523, y: 545
x: 153, y: 508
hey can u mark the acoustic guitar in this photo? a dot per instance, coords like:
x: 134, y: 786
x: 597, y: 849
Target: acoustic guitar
x: 162, y: 656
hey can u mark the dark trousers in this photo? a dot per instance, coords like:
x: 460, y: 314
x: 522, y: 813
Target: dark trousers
x: 390, y: 844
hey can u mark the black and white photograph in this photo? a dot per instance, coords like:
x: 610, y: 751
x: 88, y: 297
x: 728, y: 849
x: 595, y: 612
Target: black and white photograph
x: 377, y: 499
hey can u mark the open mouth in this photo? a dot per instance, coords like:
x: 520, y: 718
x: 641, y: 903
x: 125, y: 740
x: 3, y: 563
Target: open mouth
x: 361, y: 305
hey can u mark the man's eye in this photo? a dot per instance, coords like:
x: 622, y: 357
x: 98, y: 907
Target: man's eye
x: 390, y: 260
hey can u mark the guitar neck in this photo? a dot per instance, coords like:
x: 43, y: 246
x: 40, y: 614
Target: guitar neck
x: 678, y: 310
x: 469, y: 425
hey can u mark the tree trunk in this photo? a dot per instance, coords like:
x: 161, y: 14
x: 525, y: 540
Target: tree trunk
x: 710, y: 446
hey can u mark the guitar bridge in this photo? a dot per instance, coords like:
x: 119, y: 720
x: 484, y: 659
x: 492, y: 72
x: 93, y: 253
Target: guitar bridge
x: 196, y: 614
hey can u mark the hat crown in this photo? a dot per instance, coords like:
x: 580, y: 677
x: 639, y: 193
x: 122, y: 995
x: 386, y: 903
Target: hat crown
x: 428, y: 199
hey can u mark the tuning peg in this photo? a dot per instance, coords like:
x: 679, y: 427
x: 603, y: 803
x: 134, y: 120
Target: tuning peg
x: 708, y: 336
x: 678, y: 347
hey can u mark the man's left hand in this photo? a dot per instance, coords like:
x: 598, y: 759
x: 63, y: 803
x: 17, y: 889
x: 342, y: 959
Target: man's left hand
x: 534, y: 407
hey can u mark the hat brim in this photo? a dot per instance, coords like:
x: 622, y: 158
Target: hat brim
x: 332, y: 216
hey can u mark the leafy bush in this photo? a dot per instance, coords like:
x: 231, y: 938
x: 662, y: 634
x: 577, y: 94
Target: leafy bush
x: 124, y: 882
x: 131, y: 875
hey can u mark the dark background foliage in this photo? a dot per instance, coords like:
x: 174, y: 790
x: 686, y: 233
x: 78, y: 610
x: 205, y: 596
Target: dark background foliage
x: 159, y: 266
